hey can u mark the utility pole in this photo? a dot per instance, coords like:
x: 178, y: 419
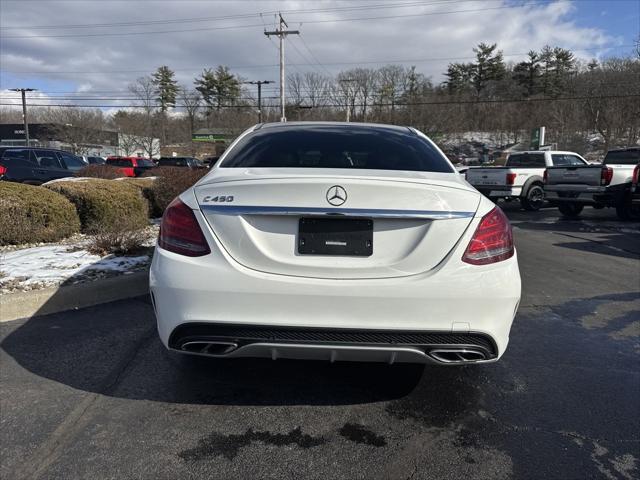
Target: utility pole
x: 24, y: 111
x: 281, y: 33
x: 348, y: 81
x: 259, y: 83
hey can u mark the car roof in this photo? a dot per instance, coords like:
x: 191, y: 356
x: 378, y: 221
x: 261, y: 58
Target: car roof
x: 13, y: 147
x: 281, y: 126
x: 625, y: 149
x: 544, y: 151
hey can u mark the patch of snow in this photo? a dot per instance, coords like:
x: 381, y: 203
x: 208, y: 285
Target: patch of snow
x: 54, y: 264
x: 70, y: 179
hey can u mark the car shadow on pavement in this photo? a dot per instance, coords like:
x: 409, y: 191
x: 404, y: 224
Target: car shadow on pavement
x: 114, y: 349
x: 618, y: 239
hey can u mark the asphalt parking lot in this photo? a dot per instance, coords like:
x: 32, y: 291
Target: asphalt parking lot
x: 93, y: 394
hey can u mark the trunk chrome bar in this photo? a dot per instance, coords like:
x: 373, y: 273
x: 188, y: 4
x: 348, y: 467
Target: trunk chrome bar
x: 345, y: 212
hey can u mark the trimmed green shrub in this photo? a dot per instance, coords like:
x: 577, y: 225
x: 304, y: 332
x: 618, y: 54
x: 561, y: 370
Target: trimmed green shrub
x: 146, y: 188
x: 100, y: 171
x: 34, y: 214
x: 171, y: 182
x: 104, y: 205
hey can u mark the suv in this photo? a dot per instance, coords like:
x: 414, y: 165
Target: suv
x: 131, y: 166
x: 189, y: 162
x: 36, y: 166
x: 95, y: 160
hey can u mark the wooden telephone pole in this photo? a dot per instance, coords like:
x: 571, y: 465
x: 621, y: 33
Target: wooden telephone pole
x: 281, y: 33
x: 259, y: 83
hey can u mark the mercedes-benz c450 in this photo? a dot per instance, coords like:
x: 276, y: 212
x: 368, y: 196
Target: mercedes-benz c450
x: 335, y: 241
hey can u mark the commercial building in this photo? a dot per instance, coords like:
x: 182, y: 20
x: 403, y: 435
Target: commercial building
x: 80, y: 140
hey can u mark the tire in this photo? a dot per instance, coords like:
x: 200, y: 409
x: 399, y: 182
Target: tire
x: 534, y: 198
x: 628, y: 212
x: 570, y: 209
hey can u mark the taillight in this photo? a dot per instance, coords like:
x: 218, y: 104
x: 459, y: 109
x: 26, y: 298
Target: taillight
x: 606, y: 174
x: 635, y: 179
x: 545, y: 176
x: 3, y: 170
x: 511, y: 178
x: 180, y: 232
x: 492, y: 241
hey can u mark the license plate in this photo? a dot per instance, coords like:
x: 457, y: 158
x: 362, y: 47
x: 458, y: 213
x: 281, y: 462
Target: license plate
x: 335, y: 236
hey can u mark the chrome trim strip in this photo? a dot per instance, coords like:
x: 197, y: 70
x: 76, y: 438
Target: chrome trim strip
x: 347, y: 212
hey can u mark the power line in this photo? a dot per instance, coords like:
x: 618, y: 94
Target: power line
x: 233, y: 17
x: 364, y: 62
x: 378, y: 104
x: 336, y: 20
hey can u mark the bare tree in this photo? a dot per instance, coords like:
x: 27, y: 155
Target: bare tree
x: 191, y: 101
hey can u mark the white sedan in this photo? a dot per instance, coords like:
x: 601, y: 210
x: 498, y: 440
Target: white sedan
x: 335, y: 241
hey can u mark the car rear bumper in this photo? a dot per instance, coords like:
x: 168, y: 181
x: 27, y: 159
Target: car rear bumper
x: 214, y: 291
x: 497, y: 191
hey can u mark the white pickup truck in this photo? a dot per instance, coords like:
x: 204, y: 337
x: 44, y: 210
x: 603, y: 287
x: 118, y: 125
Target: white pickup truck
x: 521, y: 177
x: 606, y: 185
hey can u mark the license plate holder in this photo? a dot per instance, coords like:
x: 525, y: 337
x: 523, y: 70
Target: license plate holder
x: 335, y: 236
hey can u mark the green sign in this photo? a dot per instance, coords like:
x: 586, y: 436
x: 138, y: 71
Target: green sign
x: 203, y: 137
x: 535, y: 139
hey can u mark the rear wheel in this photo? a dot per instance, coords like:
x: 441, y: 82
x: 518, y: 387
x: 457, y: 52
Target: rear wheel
x: 570, y: 209
x: 628, y: 212
x: 534, y: 199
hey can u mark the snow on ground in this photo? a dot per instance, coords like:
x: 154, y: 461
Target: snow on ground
x: 39, y: 267
x: 69, y: 179
x: 31, y: 267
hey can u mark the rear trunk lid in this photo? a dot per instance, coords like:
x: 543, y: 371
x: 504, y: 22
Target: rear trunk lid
x: 417, y: 218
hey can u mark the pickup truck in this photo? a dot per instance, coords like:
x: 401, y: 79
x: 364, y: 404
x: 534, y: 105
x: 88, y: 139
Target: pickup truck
x: 521, y: 177
x: 573, y: 187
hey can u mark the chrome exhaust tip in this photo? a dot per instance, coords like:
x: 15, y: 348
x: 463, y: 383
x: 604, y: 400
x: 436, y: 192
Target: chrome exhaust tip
x: 203, y: 347
x: 457, y: 356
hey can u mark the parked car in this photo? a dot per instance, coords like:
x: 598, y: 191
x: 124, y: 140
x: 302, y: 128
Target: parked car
x: 188, y: 162
x: 210, y: 162
x: 635, y: 186
x: 521, y: 177
x: 96, y: 161
x: 572, y: 187
x: 336, y: 241
x: 37, y: 165
x: 131, y: 166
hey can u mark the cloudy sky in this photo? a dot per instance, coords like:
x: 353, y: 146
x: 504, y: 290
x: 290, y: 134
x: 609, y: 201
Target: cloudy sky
x: 90, y: 50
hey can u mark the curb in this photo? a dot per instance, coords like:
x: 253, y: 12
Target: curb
x: 59, y: 299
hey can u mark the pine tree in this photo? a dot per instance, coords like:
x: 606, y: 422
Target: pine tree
x: 218, y: 88
x: 166, y: 88
x: 527, y: 73
x: 489, y: 66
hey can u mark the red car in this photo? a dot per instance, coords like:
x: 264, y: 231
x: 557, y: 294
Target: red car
x: 131, y: 166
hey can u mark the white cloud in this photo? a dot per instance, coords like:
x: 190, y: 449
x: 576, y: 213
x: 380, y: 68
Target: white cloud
x: 120, y: 59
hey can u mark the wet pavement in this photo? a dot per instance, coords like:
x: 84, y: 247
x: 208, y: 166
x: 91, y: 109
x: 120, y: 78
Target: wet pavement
x: 93, y: 394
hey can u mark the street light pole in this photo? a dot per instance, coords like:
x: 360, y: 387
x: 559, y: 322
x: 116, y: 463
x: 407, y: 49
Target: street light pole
x: 259, y: 83
x: 24, y: 111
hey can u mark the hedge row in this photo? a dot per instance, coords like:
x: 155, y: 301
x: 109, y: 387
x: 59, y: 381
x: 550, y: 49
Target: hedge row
x: 104, y: 205
x: 34, y: 214
x: 92, y: 205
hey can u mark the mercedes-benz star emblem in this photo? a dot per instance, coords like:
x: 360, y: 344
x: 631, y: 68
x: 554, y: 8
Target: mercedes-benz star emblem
x: 336, y: 195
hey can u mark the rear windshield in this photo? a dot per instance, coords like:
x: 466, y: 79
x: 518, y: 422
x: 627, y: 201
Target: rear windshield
x: 533, y: 160
x: 336, y: 147
x: 143, y: 162
x: 623, y: 157
x: 120, y: 162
